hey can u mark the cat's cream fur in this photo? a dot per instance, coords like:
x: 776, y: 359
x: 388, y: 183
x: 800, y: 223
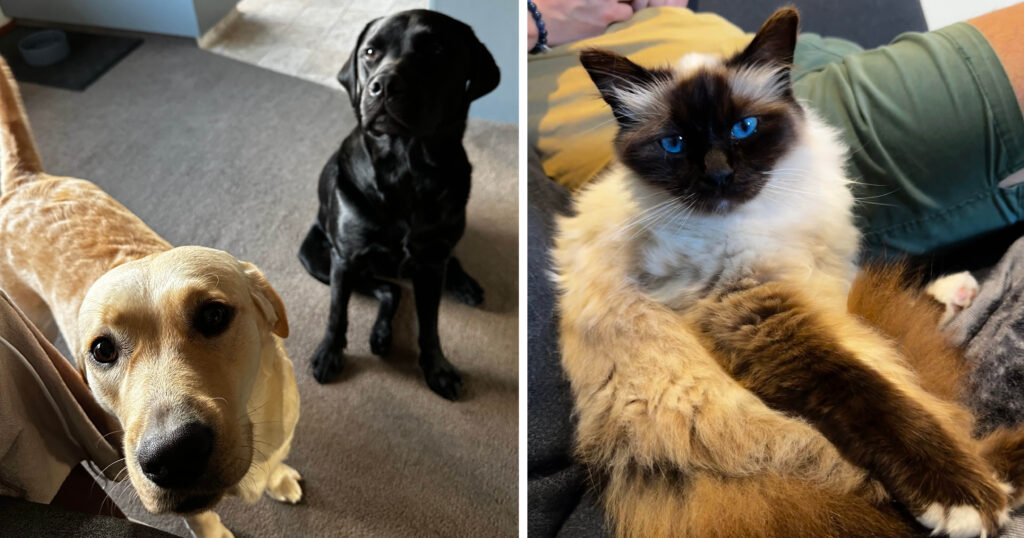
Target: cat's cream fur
x: 815, y: 249
x: 679, y: 446
x: 646, y: 390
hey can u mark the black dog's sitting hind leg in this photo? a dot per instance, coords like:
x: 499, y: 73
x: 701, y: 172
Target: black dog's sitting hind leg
x: 315, y: 254
x: 441, y: 376
x: 461, y: 285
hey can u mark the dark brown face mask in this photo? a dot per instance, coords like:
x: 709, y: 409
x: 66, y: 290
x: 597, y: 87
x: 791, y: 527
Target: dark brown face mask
x: 705, y: 137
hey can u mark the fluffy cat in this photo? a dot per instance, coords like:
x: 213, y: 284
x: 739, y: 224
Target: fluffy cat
x: 730, y: 375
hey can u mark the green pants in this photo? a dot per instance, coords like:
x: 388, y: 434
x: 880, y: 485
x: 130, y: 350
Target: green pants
x: 933, y: 127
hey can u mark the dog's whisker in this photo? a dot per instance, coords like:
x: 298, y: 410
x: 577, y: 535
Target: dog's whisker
x: 111, y: 464
x: 115, y: 432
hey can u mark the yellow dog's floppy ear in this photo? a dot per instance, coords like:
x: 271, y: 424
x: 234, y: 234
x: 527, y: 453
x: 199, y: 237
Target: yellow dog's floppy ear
x: 267, y: 300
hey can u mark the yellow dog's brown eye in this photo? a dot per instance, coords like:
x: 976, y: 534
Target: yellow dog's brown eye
x: 103, y: 350
x: 212, y: 318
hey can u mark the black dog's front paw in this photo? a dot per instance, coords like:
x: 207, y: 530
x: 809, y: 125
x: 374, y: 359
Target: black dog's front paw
x: 380, y: 338
x: 327, y: 361
x: 441, y: 377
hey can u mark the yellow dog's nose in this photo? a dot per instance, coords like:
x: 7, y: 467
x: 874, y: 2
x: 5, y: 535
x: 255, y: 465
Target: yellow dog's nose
x: 176, y: 459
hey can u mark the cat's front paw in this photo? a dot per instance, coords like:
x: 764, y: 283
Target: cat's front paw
x: 962, y: 521
x: 982, y: 515
x: 956, y: 292
x: 740, y: 309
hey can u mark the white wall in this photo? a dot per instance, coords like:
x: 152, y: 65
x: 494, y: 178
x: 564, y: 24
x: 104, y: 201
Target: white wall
x: 496, y: 24
x: 939, y: 13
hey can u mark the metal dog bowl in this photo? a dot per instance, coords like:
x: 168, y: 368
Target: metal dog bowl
x: 45, y: 47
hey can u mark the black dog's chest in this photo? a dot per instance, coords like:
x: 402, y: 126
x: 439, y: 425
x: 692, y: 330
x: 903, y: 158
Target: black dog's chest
x: 394, y: 248
x: 392, y: 224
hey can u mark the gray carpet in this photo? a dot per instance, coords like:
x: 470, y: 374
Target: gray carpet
x: 214, y: 152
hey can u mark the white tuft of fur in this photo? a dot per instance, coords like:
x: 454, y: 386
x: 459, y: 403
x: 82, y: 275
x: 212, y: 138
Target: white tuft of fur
x: 1004, y: 517
x: 1006, y: 487
x: 690, y: 63
x: 759, y: 82
x: 644, y: 101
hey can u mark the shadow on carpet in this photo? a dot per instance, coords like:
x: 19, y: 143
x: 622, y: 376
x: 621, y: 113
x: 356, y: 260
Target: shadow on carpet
x: 91, y: 55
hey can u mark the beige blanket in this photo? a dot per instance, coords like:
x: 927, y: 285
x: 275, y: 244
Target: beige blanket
x: 49, y: 421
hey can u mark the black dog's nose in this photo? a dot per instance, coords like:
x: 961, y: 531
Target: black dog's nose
x: 176, y: 459
x: 387, y: 84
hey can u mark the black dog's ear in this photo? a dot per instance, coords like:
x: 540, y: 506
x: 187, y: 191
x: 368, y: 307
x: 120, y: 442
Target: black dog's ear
x: 349, y: 74
x: 483, y: 72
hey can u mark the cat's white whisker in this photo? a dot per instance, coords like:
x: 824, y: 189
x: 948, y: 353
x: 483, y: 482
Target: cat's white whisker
x: 875, y: 203
x: 644, y: 219
x: 883, y: 195
x: 598, y: 126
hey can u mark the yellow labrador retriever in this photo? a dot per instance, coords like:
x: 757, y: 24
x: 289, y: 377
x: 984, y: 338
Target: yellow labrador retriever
x: 183, y: 345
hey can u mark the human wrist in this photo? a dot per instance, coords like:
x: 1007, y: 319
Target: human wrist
x: 540, y: 39
x: 531, y: 30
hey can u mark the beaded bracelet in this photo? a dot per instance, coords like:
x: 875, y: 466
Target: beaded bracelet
x: 542, y: 31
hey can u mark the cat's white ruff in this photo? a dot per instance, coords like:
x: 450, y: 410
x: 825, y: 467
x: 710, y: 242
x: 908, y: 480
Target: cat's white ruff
x: 806, y: 205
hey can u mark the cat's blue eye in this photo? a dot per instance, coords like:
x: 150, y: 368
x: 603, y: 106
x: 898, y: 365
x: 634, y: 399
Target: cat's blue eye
x: 744, y: 128
x: 672, y: 144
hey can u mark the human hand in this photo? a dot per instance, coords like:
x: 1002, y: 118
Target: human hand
x: 572, y: 20
x: 641, y: 4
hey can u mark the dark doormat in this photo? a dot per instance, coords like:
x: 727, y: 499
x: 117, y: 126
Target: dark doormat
x: 91, y: 55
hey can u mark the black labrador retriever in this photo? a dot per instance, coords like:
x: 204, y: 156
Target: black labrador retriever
x: 393, y: 197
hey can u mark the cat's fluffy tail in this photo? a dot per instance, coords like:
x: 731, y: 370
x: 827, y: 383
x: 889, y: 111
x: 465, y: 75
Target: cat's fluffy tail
x: 765, y: 506
x: 889, y: 297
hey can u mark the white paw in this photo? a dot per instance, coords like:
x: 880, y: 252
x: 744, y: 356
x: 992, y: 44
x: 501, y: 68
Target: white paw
x: 222, y: 532
x: 1006, y: 487
x: 207, y: 525
x: 955, y: 291
x: 284, y: 486
x: 959, y: 521
x: 958, y: 289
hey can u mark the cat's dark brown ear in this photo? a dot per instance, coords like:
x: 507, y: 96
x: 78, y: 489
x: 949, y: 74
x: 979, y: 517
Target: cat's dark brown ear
x: 774, y: 42
x: 621, y: 82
